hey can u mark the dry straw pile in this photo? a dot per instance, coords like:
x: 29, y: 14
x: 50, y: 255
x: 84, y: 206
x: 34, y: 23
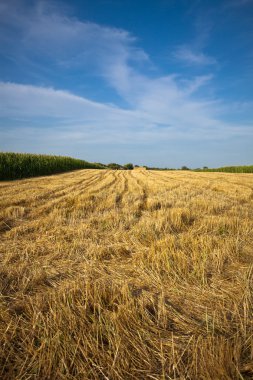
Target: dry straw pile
x: 127, y: 275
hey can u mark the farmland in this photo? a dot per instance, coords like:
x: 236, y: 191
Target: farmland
x: 127, y: 275
x: 25, y: 165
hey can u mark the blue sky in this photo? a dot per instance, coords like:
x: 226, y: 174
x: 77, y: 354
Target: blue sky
x: 161, y: 82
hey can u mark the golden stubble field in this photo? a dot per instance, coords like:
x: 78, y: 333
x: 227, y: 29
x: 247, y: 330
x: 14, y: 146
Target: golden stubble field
x: 127, y: 275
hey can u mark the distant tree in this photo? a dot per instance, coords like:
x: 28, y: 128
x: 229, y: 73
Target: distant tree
x: 129, y: 166
x: 184, y: 168
x: 114, y: 166
x: 205, y: 167
x: 136, y: 166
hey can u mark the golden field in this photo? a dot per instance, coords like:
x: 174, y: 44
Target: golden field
x: 123, y: 275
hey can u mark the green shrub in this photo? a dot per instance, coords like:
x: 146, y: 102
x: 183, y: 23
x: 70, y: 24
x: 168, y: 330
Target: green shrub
x: 128, y: 166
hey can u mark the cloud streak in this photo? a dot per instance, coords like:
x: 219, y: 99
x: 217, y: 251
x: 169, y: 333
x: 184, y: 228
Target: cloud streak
x: 190, y: 57
x: 64, y: 114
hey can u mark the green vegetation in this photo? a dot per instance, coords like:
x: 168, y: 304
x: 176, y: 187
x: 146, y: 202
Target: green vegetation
x: 24, y: 165
x: 155, y: 168
x: 229, y: 169
x: 115, y: 166
x: 225, y: 169
x: 128, y: 166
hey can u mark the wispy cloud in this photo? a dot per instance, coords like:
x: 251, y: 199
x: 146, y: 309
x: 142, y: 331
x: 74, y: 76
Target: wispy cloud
x: 60, y: 110
x: 190, y: 57
x: 68, y: 117
x: 69, y: 43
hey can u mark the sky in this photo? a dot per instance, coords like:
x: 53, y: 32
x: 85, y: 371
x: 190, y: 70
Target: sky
x: 157, y: 82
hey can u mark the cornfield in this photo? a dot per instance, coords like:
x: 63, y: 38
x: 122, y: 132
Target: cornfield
x: 231, y: 169
x: 127, y: 275
x: 18, y: 165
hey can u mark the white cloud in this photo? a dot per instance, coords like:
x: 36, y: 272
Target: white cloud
x: 61, y: 109
x: 69, y: 43
x: 68, y: 117
x: 190, y: 57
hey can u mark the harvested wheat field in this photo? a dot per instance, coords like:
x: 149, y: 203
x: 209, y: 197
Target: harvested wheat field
x: 127, y: 275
